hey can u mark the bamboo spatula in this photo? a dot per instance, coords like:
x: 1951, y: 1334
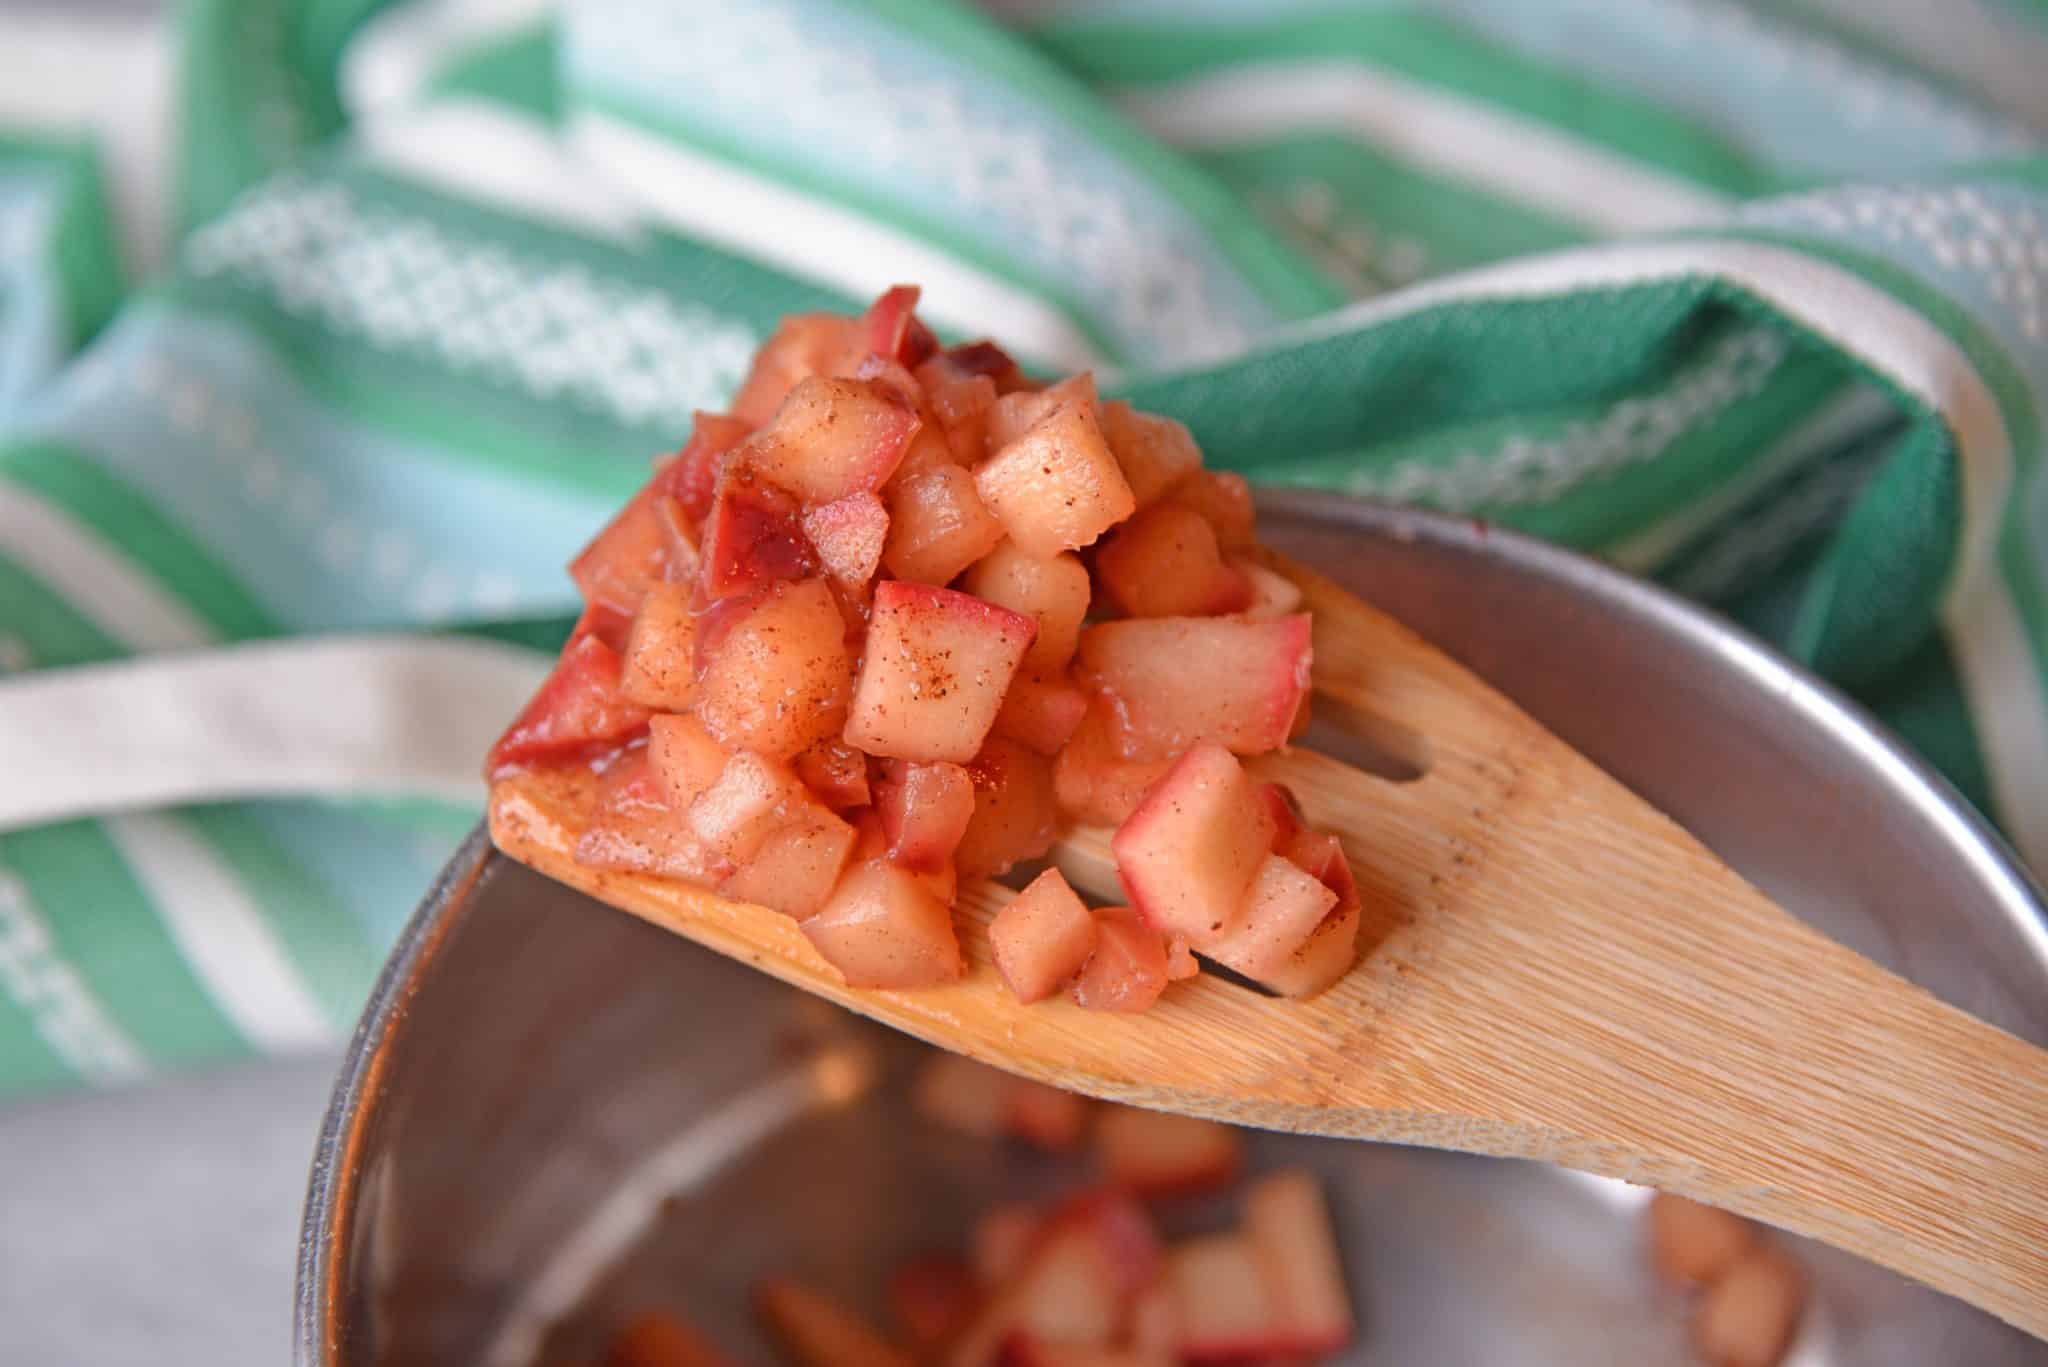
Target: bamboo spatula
x: 1550, y: 969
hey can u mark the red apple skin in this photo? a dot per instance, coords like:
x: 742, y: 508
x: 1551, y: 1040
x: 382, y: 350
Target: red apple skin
x: 635, y: 548
x: 925, y: 809
x: 1127, y: 971
x: 579, y: 713
x: 1284, y: 810
x: 752, y: 536
x: 1154, y: 1154
x: 693, y: 479
x: 894, y: 331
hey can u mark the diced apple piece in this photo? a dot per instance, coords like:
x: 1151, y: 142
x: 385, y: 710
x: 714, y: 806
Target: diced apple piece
x: 1155, y: 1321
x: 1692, y: 1244
x: 1042, y: 938
x: 937, y: 525
x: 848, y: 535
x: 1154, y: 453
x: 1054, y: 592
x: 1224, y: 499
x: 1164, y: 563
x: 1153, y: 1153
x: 660, y: 666
x: 1092, y: 779
x: 1016, y: 413
x: 634, y: 828
x: 986, y: 358
x: 831, y: 438
x: 1330, y: 952
x: 683, y: 757
x: 1180, y: 960
x: 1015, y: 811
x: 693, y: 478
x: 882, y: 927
x: 1221, y: 1301
x: 1162, y: 675
x: 796, y: 867
x: 1127, y: 971
x: 752, y: 798
x: 1003, y: 1236
x: 836, y: 774
x: 1042, y: 713
x: 776, y: 680
x: 1746, y: 1318
x: 1057, y: 487
x: 925, y: 809
x: 1190, y: 852
x: 820, y: 1332
x: 581, y: 710
x: 1281, y: 911
x: 933, y: 676
x: 932, y: 1298
x: 659, y: 1339
x: 1089, y: 1261
x: 631, y: 552
x: 1320, y: 854
x: 805, y: 344
x: 894, y: 331
x: 753, y: 536
x: 1288, y: 1224
x: 1274, y: 595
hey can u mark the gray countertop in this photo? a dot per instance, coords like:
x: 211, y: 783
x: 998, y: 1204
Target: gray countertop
x: 157, y: 1225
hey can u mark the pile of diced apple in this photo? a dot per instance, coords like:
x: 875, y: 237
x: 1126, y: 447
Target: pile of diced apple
x: 898, y: 618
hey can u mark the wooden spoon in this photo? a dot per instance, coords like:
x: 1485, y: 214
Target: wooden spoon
x: 1557, y: 972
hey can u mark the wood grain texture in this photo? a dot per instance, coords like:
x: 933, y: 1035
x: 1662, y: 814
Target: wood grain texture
x: 1550, y: 969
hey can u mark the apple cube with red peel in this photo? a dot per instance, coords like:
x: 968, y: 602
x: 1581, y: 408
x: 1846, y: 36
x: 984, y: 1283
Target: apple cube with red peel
x: 1320, y: 854
x: 693, y: 479
x: 1187, y: 856
x: 1274, y: 595
x: 1222, y: 498
x: 934, y: 674
x: 634, y: 828
x: 894, y: 331
x: 753, y: 535
x: 836, y: 774
x: 751, y: 799
x: 580, y: 710
x: 659, y: 670
x: 848, y: 535
x: 1053, y: 591
x: 1088, y: 1262
x: 1288, y: 1225
x: 960, y: 398
x: 1015, y: 811
x: 1042, y: 713
x: 1127, y: 971
x: 925, y: 809
x: 1057, y: 487
x: 1154, y: 1153
x: 1155, y: 453
x: 1165, y: 563
x: 1168, y: 695
x: 1221, y: 1301
x: 1041, y: 938
x: 883, y: 927
x: 830, y: 438
x: 937, y: 525
x: 778, y: 678
x: 932, y: 1298
x: 818, y: 1331
x: 1280, y: 804
x: 795, y: 869
x: 1093, y: 781
x: 1281, y: 911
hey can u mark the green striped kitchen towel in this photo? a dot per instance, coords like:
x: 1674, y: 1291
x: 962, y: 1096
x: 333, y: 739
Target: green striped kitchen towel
x: 329, y: 329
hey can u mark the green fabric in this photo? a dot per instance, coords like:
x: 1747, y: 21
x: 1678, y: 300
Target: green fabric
x: 376, y: 315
